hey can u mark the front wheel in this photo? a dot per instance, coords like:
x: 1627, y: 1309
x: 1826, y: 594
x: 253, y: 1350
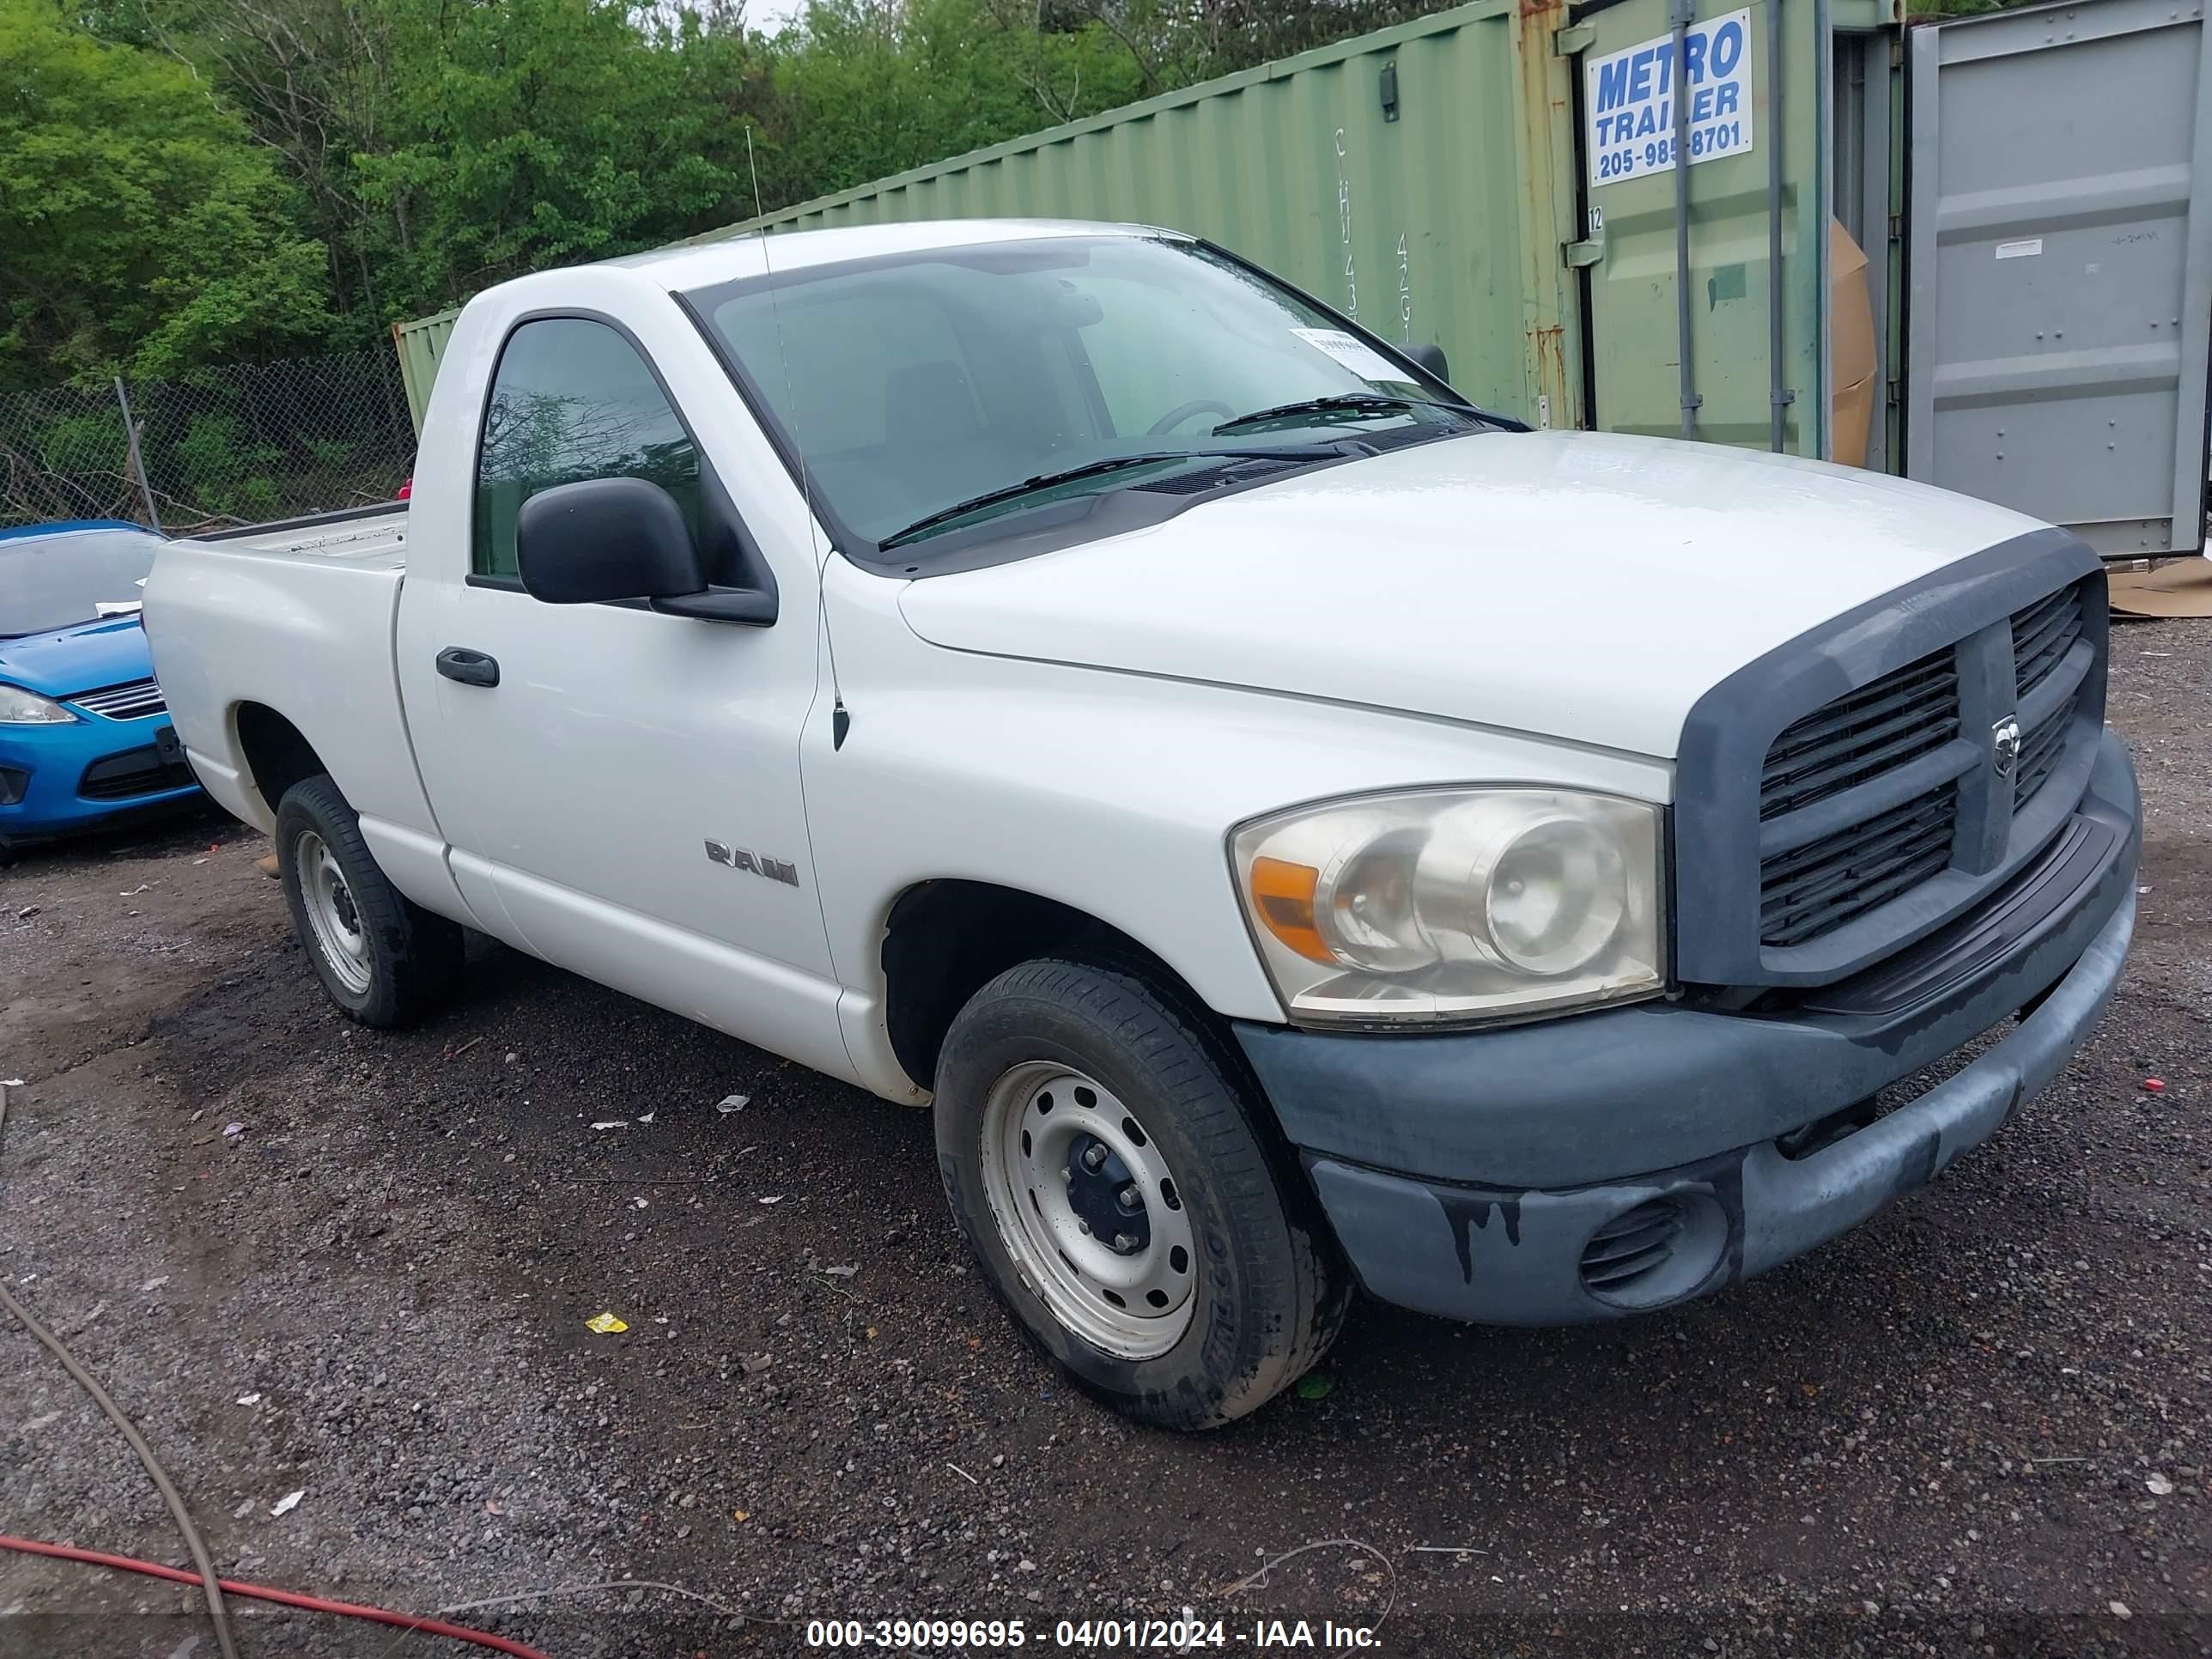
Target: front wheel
x: 383, y: 959
x: 1114, y: 1173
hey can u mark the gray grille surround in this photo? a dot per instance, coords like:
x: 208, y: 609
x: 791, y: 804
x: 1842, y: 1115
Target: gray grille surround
x: 1804, y: 872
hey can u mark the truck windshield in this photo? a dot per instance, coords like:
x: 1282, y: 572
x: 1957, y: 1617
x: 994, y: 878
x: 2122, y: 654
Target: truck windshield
x: 49, y: 581
x: 999, y: 377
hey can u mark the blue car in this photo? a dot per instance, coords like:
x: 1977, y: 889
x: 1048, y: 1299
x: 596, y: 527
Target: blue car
x: 84, y: 733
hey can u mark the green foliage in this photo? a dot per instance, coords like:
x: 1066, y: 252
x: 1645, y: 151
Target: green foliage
x: 82, y: 442
x: 140, y: 227
x: 536, y: 132
x: 187, y: 180
x: 868, y: 88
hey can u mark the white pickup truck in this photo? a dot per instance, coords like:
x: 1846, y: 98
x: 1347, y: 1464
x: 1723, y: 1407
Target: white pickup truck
x: 1294, y: 828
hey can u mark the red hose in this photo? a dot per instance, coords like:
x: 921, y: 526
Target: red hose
x: 284, y: 1598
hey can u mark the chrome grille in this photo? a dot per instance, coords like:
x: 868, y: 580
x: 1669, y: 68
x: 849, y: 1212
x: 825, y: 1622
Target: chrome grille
x: 133, y: 701
x: 1817, y: 888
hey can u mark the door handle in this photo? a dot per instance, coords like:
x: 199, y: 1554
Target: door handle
x: 458, y: 662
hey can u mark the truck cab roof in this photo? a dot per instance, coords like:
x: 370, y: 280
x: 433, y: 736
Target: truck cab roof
x: 725, y: 258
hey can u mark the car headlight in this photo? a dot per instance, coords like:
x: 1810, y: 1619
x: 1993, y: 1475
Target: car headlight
x: 22, y: 707
x: 1455, y: 905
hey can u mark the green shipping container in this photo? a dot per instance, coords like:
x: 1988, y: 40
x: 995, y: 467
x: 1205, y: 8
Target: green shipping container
x: 420, y: 345
x: 1415, y: 179
x: 1498, y: 180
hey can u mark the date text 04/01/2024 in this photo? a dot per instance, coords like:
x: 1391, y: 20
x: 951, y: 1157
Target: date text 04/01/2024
x: 1185, y: 1635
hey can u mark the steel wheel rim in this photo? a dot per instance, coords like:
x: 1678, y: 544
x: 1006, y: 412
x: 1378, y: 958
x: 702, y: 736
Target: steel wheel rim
x: 1061, y: 1157
x: 330, y: 911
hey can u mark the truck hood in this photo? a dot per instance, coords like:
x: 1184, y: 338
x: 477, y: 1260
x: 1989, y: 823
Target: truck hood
x: 1578, y: 585
x: 83, y: 657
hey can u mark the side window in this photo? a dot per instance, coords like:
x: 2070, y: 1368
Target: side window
x: 572, y: 399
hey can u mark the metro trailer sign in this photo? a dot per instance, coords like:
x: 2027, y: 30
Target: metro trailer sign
x: 1629, y: 98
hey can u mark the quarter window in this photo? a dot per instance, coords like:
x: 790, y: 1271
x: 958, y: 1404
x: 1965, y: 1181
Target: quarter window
x: 572, y: 399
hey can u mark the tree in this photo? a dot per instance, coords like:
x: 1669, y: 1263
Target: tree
x: 539, y: 132
x: 228, y: 177
x: 446, y: 146
x: 868, y: 88
x: 141, y: 227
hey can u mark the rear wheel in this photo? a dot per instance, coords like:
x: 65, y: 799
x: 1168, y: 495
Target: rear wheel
x: 1117, y: 1179
x: 383, y: 959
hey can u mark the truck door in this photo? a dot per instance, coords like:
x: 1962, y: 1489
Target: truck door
x: 2061, y: 266
x: 1705, y: 281
x: 621, y: 786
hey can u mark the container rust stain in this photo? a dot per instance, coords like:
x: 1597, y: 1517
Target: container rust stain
x: 1550, y: 359
x: 1550, y: 355
x: 1548, y: 159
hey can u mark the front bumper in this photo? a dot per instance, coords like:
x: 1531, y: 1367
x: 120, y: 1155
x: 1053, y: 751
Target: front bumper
x: 1588, y: 1168
x: 56, y: 779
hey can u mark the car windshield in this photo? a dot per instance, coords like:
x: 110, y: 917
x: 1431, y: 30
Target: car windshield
x: 52, y: 581
x: 910, y: 385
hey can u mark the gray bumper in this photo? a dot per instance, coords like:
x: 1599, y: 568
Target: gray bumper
x: 1515, y: 1257
x: 1593, y: 1167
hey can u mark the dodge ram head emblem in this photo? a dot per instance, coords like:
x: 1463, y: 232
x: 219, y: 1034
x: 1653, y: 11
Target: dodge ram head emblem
x: 756, y: 864
x: 2004, y: 746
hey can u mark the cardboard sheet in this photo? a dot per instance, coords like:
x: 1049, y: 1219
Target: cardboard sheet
x: 2183, y: 588
x: 1850, y: 348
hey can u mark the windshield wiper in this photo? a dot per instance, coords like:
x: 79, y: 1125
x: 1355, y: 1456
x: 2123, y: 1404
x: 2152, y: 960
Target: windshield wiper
x: 1342, y: 406
x: 1093, y: 468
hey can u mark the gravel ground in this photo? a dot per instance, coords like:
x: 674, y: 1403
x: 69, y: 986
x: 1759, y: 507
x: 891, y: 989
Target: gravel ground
x: 1975, y: 1427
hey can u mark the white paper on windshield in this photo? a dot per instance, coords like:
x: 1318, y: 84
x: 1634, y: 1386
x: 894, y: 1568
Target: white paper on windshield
x: 1362, y: 360
x: 117, y: 607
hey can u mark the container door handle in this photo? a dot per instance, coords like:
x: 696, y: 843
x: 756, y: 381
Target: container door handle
x: 458, y: 662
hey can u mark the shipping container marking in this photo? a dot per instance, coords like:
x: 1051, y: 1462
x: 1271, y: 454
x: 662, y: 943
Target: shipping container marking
x: 1343, y: 227
x: 1629, y: 98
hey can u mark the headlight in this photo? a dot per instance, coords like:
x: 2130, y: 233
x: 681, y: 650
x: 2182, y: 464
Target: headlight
x: 22, y: 707
x: 1455, y: 905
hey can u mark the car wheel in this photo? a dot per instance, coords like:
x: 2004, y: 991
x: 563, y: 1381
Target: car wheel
x: 383, y: 959
x: 1115, y: 1174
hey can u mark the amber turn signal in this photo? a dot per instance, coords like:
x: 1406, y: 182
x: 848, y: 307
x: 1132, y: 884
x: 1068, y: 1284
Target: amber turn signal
x: 1282, y: 899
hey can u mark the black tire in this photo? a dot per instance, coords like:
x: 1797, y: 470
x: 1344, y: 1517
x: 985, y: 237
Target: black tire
x: 1270, y: 1288
x: 409, y: 961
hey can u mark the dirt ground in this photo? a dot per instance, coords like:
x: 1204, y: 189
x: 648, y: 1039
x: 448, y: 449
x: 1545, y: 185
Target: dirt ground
x: 1975, y: 1427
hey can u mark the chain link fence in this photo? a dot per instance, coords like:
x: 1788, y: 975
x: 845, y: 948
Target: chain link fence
x: 237, y: 444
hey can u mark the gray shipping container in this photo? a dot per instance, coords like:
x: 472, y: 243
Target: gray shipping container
x: 2061, y: 256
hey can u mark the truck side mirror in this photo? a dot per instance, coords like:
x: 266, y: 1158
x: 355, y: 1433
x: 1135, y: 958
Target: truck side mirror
x: 1431, y: 357
x: 605, y: 538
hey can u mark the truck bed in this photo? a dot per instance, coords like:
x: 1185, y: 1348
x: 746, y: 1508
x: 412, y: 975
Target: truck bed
x: 374, y: 536
x: 295, y: 616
